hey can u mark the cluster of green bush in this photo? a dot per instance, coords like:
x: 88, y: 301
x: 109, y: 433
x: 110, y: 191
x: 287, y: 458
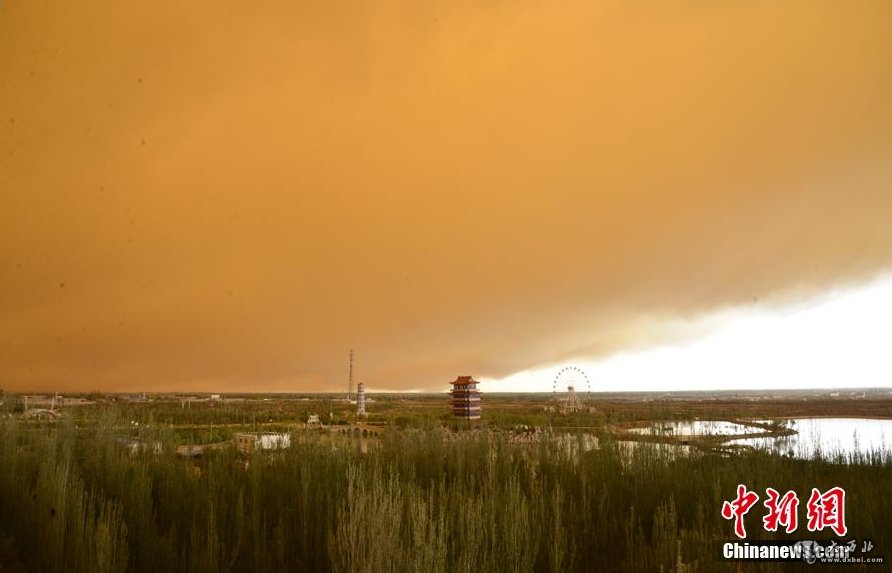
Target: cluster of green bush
x: 221, y: 411
x: 74, y: 499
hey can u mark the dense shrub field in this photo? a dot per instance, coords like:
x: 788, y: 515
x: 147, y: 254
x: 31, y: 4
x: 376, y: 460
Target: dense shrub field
x: 74, y: 499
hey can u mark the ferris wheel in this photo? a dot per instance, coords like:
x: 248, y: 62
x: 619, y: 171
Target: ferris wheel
x: 571, y: 389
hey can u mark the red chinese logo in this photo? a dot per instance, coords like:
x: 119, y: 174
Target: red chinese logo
x: 824, y: 510
x: 781, y: 510
x: 738, y: 508
x: 827, y: 510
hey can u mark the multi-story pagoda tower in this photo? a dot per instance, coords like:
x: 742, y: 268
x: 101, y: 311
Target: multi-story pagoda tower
x: 465, y: 398
x: 360, y: 399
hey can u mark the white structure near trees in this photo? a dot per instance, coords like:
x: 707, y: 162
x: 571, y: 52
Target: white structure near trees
x: 246, y: 443
x: 360, y: 399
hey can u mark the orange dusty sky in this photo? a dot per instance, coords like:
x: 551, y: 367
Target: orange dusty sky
x: 218, y: 195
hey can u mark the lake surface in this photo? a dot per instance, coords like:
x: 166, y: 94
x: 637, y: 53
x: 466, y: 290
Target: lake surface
x: 828, y: 437
x: 696, y: 428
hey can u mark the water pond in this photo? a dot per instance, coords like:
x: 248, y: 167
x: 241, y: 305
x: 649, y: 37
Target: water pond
x: 696, y: 428
x: 828, y: 437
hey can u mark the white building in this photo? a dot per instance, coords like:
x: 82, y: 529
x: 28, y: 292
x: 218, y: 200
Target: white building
x: 266, y: 441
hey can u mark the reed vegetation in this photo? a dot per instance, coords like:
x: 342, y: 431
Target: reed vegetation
x: 74, y: 499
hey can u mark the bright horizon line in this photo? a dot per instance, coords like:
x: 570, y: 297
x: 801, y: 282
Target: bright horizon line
x: 833, y: 341
x: 422, y: 392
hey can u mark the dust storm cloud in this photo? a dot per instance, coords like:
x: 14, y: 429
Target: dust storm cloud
x: 228, y: 196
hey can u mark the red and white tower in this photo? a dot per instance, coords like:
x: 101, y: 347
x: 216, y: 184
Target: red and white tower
x: 465, y: 398
x: 360, y: 399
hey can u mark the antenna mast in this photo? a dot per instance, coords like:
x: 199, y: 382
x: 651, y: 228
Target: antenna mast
x: 350, y: 379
